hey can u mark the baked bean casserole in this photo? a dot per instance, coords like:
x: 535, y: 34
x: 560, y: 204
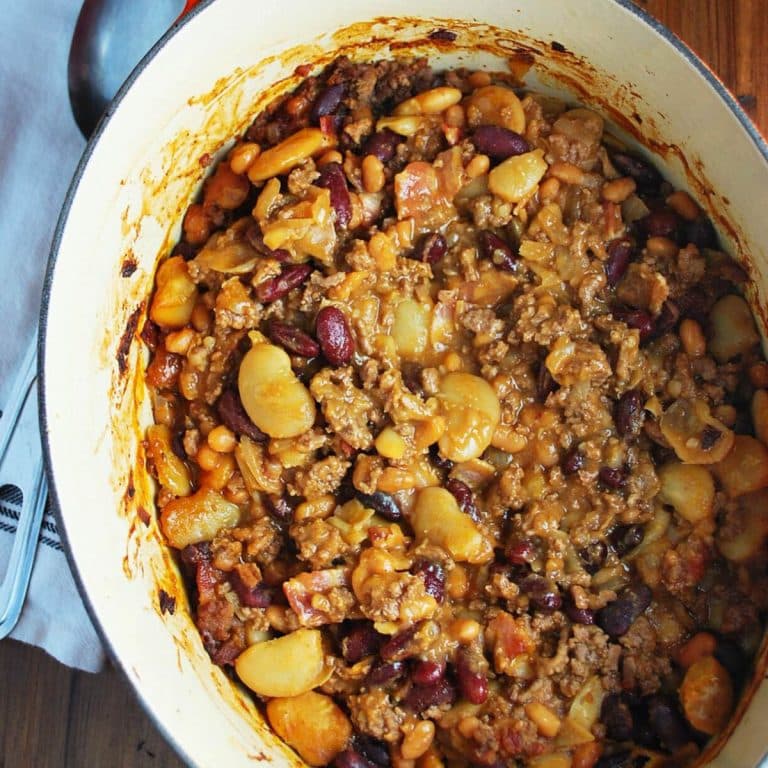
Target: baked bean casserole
x: 460, y: 431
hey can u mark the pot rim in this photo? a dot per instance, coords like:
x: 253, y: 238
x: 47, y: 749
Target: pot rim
x: 691, y: 57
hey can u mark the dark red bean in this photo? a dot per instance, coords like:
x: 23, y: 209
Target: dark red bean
x: 472, y: 679
x: 667, y: 723
x: 492, y: 247
x: 383, y: 504
x: 328, y: 101
x: 150, y: 335
x: 616, y: 715
x: 700, y: 232
x: 623, y: 538
x: 177, y: 445
x: 233, y: 414
x: 542, y: 593
x: 620, y: 252
x: 439, y: 461
x: 629, y: 414
x: 372, y: 749
x: 399, y: 646
x: 617, y: 617
x: 663, y: 222
x: 613, y: 478
x: 646, y: 176
x: 593, y: 556
x: 545, y: 384
x: 361, y: 641
x: 432, y: 248
x: 334, y: 335
x: 258, y: 596
x: 384, y: 672
x: 573, y: 461
x: 636, y: 318
x: 291, y: 276
x: 293, y: 339
x: 333, y: 179
x: 433, y: 575
x: 427, y: 672
x: 499, y: 143
x: 521, y: 551
x: 578, y: 615
x: 382, y: 145
x: 443, y: 34
x: 349, y: 758
x: 421, y: 697
x: 463, y: 495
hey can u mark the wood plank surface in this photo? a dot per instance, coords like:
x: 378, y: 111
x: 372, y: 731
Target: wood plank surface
x: 51, y: 716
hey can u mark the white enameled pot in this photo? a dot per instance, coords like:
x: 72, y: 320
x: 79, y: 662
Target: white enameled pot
x: 202, y: 84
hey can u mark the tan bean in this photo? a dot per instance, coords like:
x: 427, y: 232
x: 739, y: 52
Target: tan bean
x: 517, y: 177
x: 179, y: 341
x: 431, y: 102
x: 418, y: 741
x: 331, y: 156
x: 683, y: 205
x: 464, y: 631
x: 693, y: 339
x: 479, y: 79
x: 549, y: 189
x: 495, y: 105
x: 373, y: 174
x: 242, y: 156
x: 618, y: 190
x: 289, y: 153
x: 403, y: 125
x: 545, y: 720
x: 175, y: 296
x: 568, y: 173
x: 222, y: 439
x: 171, y: 471
x: 661, y: 247
x: 478, y: 165
x: 454, y: 116
x: 197, y: 225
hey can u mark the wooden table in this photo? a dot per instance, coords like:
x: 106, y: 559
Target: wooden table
x: 53, y: 716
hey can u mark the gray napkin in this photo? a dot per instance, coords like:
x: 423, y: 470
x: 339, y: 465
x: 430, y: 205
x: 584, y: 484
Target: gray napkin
x: 39, y: 149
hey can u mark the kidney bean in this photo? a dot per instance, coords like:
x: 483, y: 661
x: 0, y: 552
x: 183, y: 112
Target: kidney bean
x: 667, y: 723
x: 334, y: 335
x: 542, y: 593
x: 663, y: 222
x: 384, y: 672
x: 700, y: 232
x: 382, y: 144
x: 521, y: 551
x: 231, y: 412
x: 623, y: 759
x: 492, y: 247
x: 279, y: 509
x: 623, y: 538
x: 328, y: 101
x: 381, y: 503
x: 616, y: 715
x: 463, y: 495
x: 620, y: 252
x: 472, y: 680
x: 433, y: 575
x: 372, y: 749
x: 617, y: 617
x: 332, y: 178
x: 545, y: 384
x: 362, y: 640
x: 291, y: 276
x: 644, y: 174
x: 427, y: 672
x: 573, y: 461
x: 293, y: 339
x: 499, y: 143
x: 349, y: 758
x: 443, y: 34
x: 613, y: 478
x: 439, y: 461
x: 431, y: 249
x: 636, y: 318
x: 593, y: 556
x: 578, y: 615
x: 399, y: 646
x: 258, y: 596
x: 421, y: 697
x: 629, y: 414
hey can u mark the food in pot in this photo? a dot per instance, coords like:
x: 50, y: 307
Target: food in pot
x: 461, y: 431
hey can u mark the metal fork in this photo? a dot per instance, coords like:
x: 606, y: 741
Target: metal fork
x: 21, y: 464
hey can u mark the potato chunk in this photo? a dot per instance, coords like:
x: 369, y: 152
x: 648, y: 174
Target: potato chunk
x: 745, y: 468
x: 733, y: 328
x: 517, y: 177
x: 689, y: 488
x: 438, y: 519
x: 312, y: 724
x: 696, y: 436
x: 175, y: 296
x: 196, y: 518
x: 471, y: 409
x: 275, y: 400
x: 707, y: 695
x: 286, y: 666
